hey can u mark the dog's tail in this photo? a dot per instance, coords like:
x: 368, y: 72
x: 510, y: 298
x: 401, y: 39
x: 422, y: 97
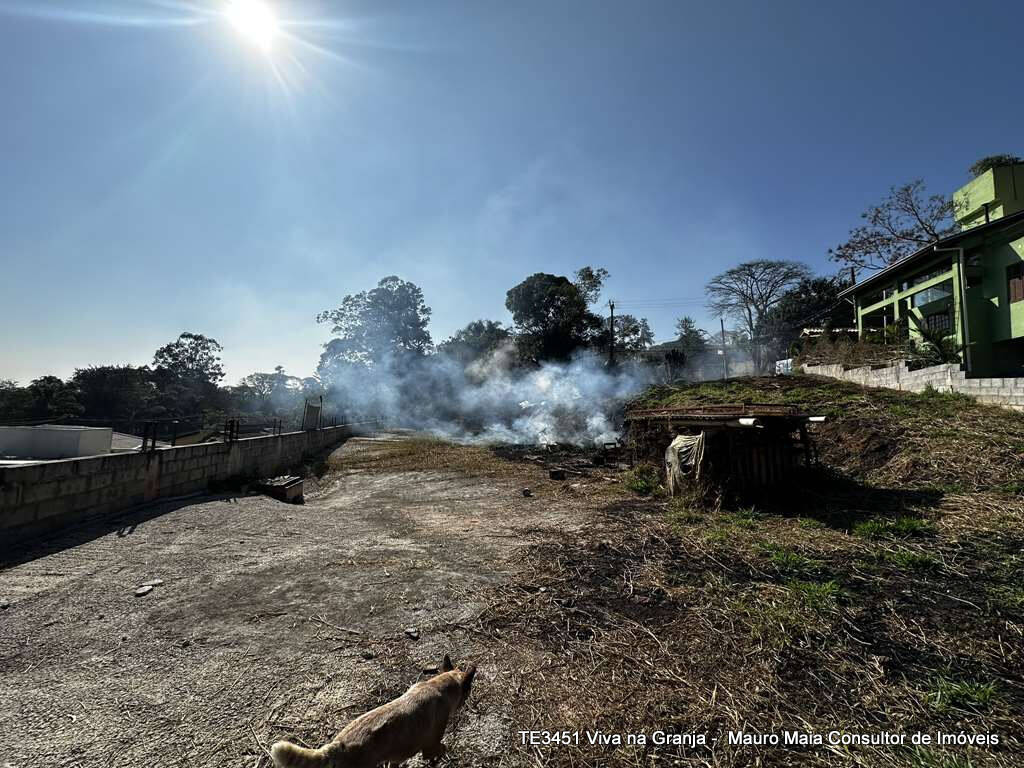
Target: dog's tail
x: 288, y: 755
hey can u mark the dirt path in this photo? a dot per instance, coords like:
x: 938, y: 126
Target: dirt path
x: 272, y: 621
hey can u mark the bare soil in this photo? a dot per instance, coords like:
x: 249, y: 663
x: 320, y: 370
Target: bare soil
x: 273, y: 620
x: 846, y: 604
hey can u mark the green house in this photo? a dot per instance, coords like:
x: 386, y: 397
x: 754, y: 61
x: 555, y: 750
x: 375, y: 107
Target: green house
x: 970, y: 284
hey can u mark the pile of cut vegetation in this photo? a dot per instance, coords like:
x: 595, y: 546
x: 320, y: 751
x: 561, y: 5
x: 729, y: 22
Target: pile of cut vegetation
x: 926, y: 441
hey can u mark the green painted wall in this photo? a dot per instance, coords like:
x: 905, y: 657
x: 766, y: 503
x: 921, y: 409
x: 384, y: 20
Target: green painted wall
x: 994, y: 325
x: 999, y: 320
x: 1001, y: 189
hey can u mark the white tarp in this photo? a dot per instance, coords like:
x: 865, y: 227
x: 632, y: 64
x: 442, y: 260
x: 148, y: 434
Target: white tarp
x: 684, y: 459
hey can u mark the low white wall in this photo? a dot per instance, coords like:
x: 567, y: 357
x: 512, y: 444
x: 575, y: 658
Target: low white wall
x: 50, y: 441
x: 1007, y: 392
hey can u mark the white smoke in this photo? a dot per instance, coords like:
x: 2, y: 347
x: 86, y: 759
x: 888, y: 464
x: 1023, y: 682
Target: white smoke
x: 492, y: 400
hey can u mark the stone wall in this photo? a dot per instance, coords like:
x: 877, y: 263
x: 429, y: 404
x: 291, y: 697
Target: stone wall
x: 1006, y: 392
x: 40, y: 498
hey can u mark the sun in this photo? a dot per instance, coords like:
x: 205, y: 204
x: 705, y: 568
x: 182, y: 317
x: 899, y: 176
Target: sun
x: 255, y: 21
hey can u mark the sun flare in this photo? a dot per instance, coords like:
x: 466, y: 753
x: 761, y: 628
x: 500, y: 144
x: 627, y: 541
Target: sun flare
x: 255, y: 21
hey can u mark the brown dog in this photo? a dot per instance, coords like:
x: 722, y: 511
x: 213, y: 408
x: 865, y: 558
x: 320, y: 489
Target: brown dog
x: 414, y: 722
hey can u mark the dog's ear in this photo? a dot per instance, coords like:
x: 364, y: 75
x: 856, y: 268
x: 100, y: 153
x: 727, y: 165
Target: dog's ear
x: 446, y: 665
x: 467, y: 679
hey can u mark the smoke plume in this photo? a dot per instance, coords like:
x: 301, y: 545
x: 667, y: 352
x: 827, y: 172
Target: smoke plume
x: 492, y: 400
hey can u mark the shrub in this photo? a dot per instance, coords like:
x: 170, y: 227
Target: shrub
x: 643, y: 479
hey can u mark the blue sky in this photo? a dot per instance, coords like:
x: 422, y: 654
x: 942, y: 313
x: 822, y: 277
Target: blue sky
x: 161, y: 173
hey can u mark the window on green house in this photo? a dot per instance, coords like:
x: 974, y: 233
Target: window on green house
x: 1015, y: 281
x: 941, y: 291
x: 939, y: 322
x: 924, y: 277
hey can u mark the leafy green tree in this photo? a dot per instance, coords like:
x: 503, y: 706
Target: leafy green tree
x: 387, y: 321
x: 191, y: 356
x: 121, y: 392
x: 478, y: 339
x: 186, y: 373
x: 589, y: 282
x: 813, y: 302
x: 51, y: 398
x: 901, y: 224
x: 632, y: 335
x: 551, y: 317
x: 993, y: 161
x: 264, y: 386
x: 15, y: 401
x: 691, y: 338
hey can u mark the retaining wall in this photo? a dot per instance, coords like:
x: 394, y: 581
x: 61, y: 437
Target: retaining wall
x: 1006, y: 392
x: 40, y: 498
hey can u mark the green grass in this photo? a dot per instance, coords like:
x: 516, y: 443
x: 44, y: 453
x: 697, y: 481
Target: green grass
x: 746, y: 517
x: 819, y: 596
x: 946, y: 692
x: 679, y: 514
x: 787, y: 560
x: 810, y: 524
x: 643, y: 479
x: 880, y: 527
x: 908, y: 560
x: 717, y: 536
x: 1010, y: 599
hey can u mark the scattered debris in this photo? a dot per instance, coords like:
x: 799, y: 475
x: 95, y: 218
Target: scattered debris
x: 556, y: 474
x: 144, y: 590
x: 288, y: 488
x: 368, y: 655
x: 413, y: 633
x: 527, y: 492
x: 4, y: 605
x: 153, y: 583
x: 431, y: 670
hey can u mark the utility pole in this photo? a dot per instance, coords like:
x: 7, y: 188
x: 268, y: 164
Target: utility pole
x: 725, y: 360
x: 611, y: 333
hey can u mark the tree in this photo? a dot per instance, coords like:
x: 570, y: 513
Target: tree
x: 589, y: 282
x: 551, y: 317
x: 478, y: 339
x: 263, y: 386
x: 121, y: 392
x: 15, y: 401
x: 812, y: 302
x: 632, y: 335
x: 387, y: 321
x: 186, y: 373
x: 193, y: 357
x: 747, y: 293
x: 901, y: 224
x: 51, y: 398
x: 270, y: 394
x: 691, y: 338
x: 993, y: 161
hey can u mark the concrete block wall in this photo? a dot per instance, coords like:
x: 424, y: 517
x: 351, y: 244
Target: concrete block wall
x: 1005, y: 392
x: 40, y: 498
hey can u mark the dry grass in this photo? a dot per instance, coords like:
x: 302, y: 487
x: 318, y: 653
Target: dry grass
x: 421, y: 453
x: 871, y: 601
x: 928, y: 441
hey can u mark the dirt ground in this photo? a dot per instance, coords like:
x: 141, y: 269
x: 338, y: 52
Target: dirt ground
x: 273, y: 620
x: 594, y: 606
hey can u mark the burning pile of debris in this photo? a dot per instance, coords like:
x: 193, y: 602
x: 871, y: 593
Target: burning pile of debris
x: 743, y: 446
x: 562, y: 460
